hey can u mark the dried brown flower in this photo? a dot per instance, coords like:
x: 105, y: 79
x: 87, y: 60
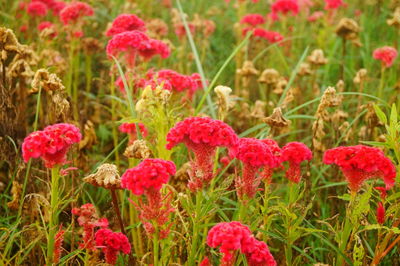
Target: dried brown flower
x: 16, y: 191
x: 361, y: 76
x: 348, y: 29
x: 395, y: 21
x: 317, y: 58
x: 247, y: 72
x: 277, y: 122
x: 89, y: 136
x: 106, y: 176
x: 138, y: 150
x: 269, y: 76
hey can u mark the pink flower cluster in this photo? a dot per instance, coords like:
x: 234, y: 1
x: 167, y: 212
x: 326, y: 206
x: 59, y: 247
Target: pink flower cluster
x: 89, y: 221
x: 253, y: 20
x: 74, y: 11
x: 130, y: 129
x: 126, y: 22
x: 270, y: 36
x: 58, y: 241
x: 295, y: 153
x: 135, y: 43
x: 202, y: 135
x: 40, y: 10
x: 285, y: 6
x: 234, y: 236
x: 112, y: 243
x: 150, y: 174
x: 51, y: 144
x: 333, y: 4
x: 36, y: 9
x: 386, y: 55
x: 359, y: 163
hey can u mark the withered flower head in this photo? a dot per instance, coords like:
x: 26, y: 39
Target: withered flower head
x: 361, y: 76
x: 138, y: 150
x: 247, y: 70
x: 269, y: 76
x: 258, y: 110
x: 106, y: 176
x: 223, y: 94
x: 91, y: 45
x: 280, y: 86
x: 395, y: 21
x: 48, y: 81
x: 8, y: 42
x: 157, y: 28
x: 276, y: 119
x: 305, y: 69
x: 348, y: 29
x: 317, y: 58
x: 89, y: 136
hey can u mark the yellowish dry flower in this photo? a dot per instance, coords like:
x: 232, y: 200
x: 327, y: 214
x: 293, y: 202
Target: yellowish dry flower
x: 138, y: 150
x: 106, y: 176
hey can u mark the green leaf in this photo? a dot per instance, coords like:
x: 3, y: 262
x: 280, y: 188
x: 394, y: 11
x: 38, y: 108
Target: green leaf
x: 393, y: 116
x: 380, y: 114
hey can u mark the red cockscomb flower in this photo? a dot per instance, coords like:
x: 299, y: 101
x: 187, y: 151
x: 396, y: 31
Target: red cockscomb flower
x: 74, y: 11
x: 150, y: 174
x: 51, y: 144
x: 58, y: 241
x: 333, y: 4
x: 229, y: 237
x: 315, y: 16
x: 38, y: 9
x: 270, y: 36
x: 380, y: 213
x: 45, y: 25
x: 180, y: 30
x: 386, y: 55
x: 285, y: 7
x: 202, y: 135
x: 266, y: 173
x: 254, y: 155
x: 111, y: 244
x: 383, y: 192
x: 359, y: 163
x: 253, y: 19
x: 130, y: 129
x: 257, y: 253
x: 295, y: 153
x: 155, y: 47
x: 126, y: 22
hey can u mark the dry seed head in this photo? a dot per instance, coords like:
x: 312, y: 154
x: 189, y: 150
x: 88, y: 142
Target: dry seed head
x: 280, y: 86
x: 138, y: 150
x: 223, y: 94
x: 247, y: 70
x: 269, y: 76
x: 276, y: 119
x: 89, y: 134
x: 259, y: 109
x: 345, y: 131
x: 157, y: 28
x: 305, y: 69
x: 8, y: 43
x: 361, y: 76
x: 106, y: 176
x: 49, y: 82
x: 91, y: 45
x: 317, y: 58
x: 395, y: 21
x: 61, y: 105
x: 16, y: 191
x: 348, y: 29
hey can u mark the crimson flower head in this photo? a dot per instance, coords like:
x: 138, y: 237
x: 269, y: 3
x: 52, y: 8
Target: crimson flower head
x: 285, y: 7
x: 130, y: 129
x: 253, y: 19
x: 126, y: 22
x: 229, y: 237
x: 270, y: 36
x: 380, y: 213
x: 51, y: 144
x: 315, y: 16
x: 383, y: 192
x: 36, y: 9
x: 74, y: 11
x: 276, y: 152
x: 112, y: 243
x: 359, y: 163
x: 386, y: 55
x: 180, y: 30
x: 295, y: 153
x: 150, y: 174
x: 333, y: 4
x: 254, y: 155
x: 202, y: 135
x: 45, y: 25
x: 257, y: 253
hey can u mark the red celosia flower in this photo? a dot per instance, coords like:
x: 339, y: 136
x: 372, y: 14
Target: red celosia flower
x: 155, y: 47
x: 229, y: 237
x: 74, y: 11
x: 276, y: 152
x: 385, y: 54
x: 126, y: 22
x: 315, y: 16
x: 383, y: 192
x: 359, y: 163
x: 36, y: 9
x: 57, y: 7
x: 333, y: 4
x: 257, y: 253
x: 295, y: 153
x: 285, y: 7
x: 180, y: 30
x: 202, y: 135
x: 208, y: 28
x: 205, y: 262
x: 270, y: 36
x: 150, y: 174
x: 89, y: 221
x: 59, y: 239
x: 130, y: 128
x: 44, y: 25
x: 111, y: 244
x: 51, y: 144
x: 253, y: 19
x: 23, y: 28
x: 380, y: 213
x: 254, y: 155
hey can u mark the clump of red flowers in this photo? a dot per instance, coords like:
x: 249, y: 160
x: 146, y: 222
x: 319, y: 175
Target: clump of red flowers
x: 202, y: 135
x: 36, y: 9
x: 111, y: 244
x: 51, y: 144
x: 253, y: 19
x: 59, y: 239
x: 89, y: 221
x: 276, y: 152
x: 295, y: 153
x: 74, y: 11
x: 386, y: 55
x: 359, y: 163
x: 285, y: 7
x: 130, y: 129
x: 126, y: 22
x: 254, y: 155
x: 147, y: 178
x: 234, y: 236
x: 333, y: 4
x: 380, y: 213
x: 270, y: 36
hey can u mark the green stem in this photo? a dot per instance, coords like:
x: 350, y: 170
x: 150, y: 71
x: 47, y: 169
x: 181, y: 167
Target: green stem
x: 156, y: 246
x: 193, y: 250
x: 347, y: 229
x: 382, y: 82
x: 53, y: 221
